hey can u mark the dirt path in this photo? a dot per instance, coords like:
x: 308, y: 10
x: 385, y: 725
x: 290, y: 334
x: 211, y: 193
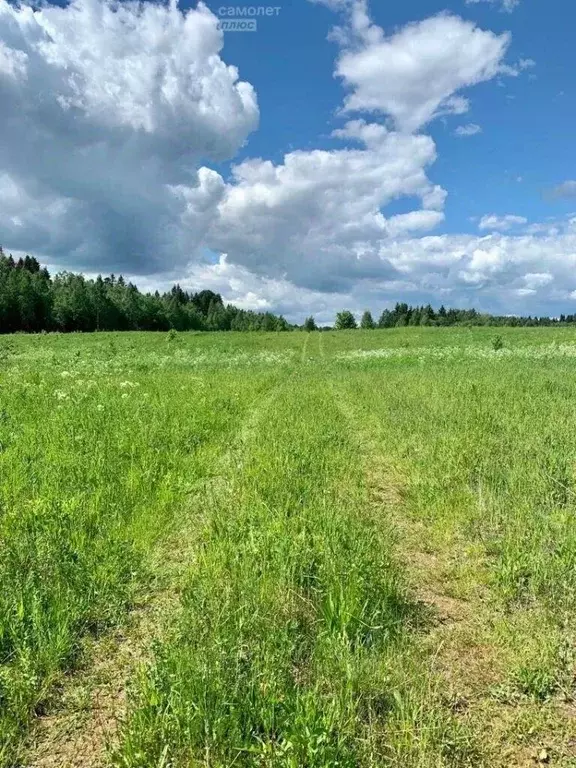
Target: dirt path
x: 463, y: 637
x: 303, y: 353
x: 92, y: 702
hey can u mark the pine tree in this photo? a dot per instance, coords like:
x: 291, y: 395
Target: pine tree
x: 310, y: 324
x: 386, y: 319
x: 367, y: 321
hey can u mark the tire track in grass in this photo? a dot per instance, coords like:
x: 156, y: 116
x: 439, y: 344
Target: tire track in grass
x: 460, y: 652
x: 92, y: 702
x: 304, y: 348
x: 93, y: 699
x: 321, y: 345
x: 294, y: 642
x: 426, y: 567
x: 428, y: 733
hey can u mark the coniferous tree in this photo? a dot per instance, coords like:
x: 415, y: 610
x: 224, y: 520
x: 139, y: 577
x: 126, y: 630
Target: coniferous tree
x: 30, y: 300
x: 310, y: 324
x: 386, y: 319
x: 367, y: 321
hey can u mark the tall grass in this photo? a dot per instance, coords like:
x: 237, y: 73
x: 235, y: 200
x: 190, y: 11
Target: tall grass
x: 298, y: 642
x: 487, y: 455
x: 294, y: 644
x: 98, y: 453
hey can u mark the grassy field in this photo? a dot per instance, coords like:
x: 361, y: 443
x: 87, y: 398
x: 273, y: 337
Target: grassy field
x: 293, y: 550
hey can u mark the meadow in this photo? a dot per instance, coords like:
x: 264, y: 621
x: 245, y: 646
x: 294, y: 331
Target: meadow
x: 293, y: 550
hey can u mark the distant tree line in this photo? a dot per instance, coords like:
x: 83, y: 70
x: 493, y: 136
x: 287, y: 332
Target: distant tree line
x: 404, y: 315
x: 32, y: 301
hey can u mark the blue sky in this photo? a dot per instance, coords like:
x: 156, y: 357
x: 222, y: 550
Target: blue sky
x: 345, y: 154
x: 527, y: 123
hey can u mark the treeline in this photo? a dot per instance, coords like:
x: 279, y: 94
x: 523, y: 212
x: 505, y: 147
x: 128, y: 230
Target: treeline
x: 405, y: 315
x: 31, y: 300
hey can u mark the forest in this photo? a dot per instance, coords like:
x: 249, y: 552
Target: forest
x: 32, y: 301
x: 405, y: 315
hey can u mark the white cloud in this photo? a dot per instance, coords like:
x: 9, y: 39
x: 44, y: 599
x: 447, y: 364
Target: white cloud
x: 496, y: 262
x: 497, y: 272
x: 470, y: 129
x: 505, y: 5
x: 12, y: 63
x: 415, y: 221
x: 319, y: 213
x: 142, y: 67
x: 112, y: 173
x: 139, y: 98
x: 501, y: 223
x: 535, y: 280
x: 514, y: 70
x: 415, y: 74
x: 566, y: 189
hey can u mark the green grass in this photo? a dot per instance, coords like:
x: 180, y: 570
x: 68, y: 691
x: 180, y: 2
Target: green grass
x: 295, y: 622
x: 101, y: 446
x: 345, y: 486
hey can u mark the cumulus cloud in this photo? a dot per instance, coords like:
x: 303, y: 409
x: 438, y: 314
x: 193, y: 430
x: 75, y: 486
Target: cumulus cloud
x: 491, y: 269
x: 535, y: 280
x: 318, y: 219
x: 470, y: 129
x: 111, y: 173
x: 496, y: 272
x: 109, y: 111
x: 319, y: 213
x: 496, y: 262
x: 417, y: 73
x: 501, y: 223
